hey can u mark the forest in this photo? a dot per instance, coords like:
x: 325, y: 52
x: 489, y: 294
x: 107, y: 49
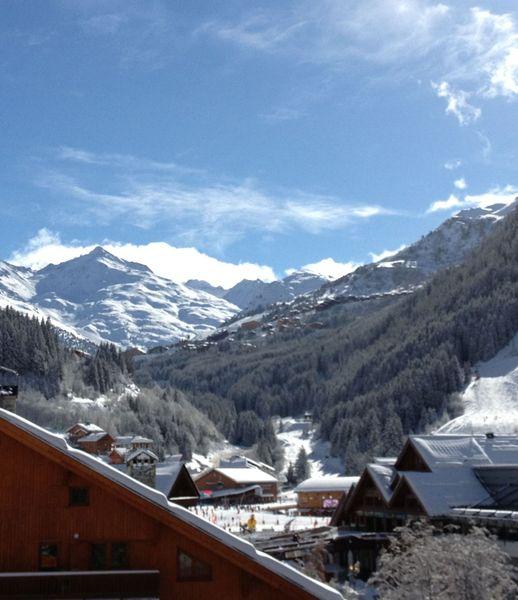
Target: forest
x: 371, y: 380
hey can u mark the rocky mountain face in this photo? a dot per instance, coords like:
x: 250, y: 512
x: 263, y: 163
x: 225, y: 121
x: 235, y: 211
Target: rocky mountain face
x: 103, y: 298
x: 444, y: 247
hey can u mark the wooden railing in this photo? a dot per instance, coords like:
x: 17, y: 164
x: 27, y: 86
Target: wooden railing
x: 79, y: 585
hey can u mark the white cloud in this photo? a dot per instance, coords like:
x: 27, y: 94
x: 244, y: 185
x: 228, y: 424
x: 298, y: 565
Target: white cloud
x: 457, y: 103
x: 177, y: 264
x: 497, y: 195
x: 198, y: 209
x: 460, y: 183
x: 448, y: 204
x: 328, y: 267
x: 385, y: 253
x: 451, y: 165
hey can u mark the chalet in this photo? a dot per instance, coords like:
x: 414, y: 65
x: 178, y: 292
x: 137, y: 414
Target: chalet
x: 433, y: 477
x: 80, y: 430
x: 133, y: 442
x: 74, y: 527
x: 321, y: 495
x: 243, y: 485
x: 117, y: 455
x: 96, y: 443
x: 238, y: 461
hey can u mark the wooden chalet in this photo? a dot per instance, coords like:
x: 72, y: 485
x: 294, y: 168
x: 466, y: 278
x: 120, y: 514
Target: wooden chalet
x: 239, y: 485
x: 79, y: 430
x: 72, y: 526
x: 321, y: 495
x: 433, y: 476
x: 96, y: 443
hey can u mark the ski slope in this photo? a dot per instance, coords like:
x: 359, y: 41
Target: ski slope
x: 491, y: 402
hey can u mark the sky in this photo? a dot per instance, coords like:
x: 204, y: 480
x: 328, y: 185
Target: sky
x: 226, y: 140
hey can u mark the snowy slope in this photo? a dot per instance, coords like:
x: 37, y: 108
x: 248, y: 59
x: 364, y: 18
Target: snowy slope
x: 103, y: 298
x: 249, y: 294
x: 205, y: 286
x: 491, y: 402
x: 296, y: 434
x: 445, y: 246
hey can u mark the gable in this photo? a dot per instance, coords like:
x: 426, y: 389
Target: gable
x: 410, y: 459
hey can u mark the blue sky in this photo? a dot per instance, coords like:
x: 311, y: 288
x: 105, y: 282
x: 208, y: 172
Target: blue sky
x: 223, y: 140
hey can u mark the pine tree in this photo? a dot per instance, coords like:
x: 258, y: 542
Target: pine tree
x: 302, y: 466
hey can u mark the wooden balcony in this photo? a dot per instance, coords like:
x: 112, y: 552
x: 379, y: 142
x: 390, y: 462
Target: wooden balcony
x: 68, y: 585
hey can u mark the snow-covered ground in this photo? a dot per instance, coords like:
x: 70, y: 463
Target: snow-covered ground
x: 297, y: 434
x: 491, y: 402
x: 231, y: 519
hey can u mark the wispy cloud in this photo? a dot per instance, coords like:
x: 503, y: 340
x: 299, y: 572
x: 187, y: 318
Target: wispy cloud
x: 177, y: 264
x: 199, y: 209
x: 497, y: 195
x: 451, y: 165
x: 328, y: 267
x: 471, y: 53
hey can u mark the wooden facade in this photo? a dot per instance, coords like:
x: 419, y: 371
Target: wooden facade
x: 96, y: 443
x: 319, y: 502
x: 60, y: 512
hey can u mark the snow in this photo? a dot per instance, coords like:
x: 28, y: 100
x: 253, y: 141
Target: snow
x: 296, y: 434
x: 327, y: 484
x: 246, y: 475
x: 314, y: 587
x: 100, y: 297
x: 231, y: 519
x: 491, y: 402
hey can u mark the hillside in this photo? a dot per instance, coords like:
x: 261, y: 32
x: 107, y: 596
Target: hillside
x: 368, y: 379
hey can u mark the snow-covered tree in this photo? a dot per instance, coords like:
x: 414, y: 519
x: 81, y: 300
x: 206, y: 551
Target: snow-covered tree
x: 302, y: 466
x: 424, y: 563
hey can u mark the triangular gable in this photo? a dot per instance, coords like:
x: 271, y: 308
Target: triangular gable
x: 183, y: 486
x: 403, y: 490
x: 410, y: 459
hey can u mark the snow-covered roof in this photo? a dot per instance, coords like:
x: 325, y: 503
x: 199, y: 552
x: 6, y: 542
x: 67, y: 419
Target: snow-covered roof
x: 319, y: 590
x: 327, y: 484
x: 138, y: 451
x: 246, y: 475
x: 91, y: 427
x: 437, y: 450
x: 138, y: 439
x: 382, y: 477
x: 92, y: 437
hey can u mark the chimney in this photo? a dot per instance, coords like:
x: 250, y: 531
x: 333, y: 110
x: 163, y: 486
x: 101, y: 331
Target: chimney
x: 8, y: 389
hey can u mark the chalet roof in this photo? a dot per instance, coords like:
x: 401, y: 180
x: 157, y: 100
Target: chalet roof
x: 327, y: 484
x: 246, y: 475
x: 319, y: 590
x: 93, y: 437
x: 382, y: 477
x: 138, y: 451
x: 138, y: 439
x: 90, y: 427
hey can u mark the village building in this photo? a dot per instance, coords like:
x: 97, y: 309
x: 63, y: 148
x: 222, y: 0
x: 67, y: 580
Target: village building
x: 445, y: 478
x: 117, y: 455
x: 141, y: 464
x: 175, y: 482
x: 321, y: 495
x: 96, y: 443
x: 79, y: 430
x: 238, y: 461
x: 73, y: 526
x: 237, y: 485
x: 8, y: 388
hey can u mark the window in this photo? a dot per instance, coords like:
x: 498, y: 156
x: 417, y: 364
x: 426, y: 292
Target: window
x: 192, y: 569
x: 120, y: 555
x: 48, y: 557
x: 78, y: 496
x: 109, y: 556
x: 99, y: 557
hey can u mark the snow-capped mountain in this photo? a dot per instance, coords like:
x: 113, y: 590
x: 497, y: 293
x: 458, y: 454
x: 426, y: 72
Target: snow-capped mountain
x: 103, y: 298
x: 445, y: 246
x: 249, y: 294
x: 205, y: 286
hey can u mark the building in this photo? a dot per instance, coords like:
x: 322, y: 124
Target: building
x: 133, y: 442
x: 117, y: 455
x: 237, y: 485
x: 321, y: 495
x: 96, y: 443
x: 83, y: 529
x: 141, y: 464
x: 175, y: 482
x: 238, y: 461
x: 8, y: 388
x: 80, y: 430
